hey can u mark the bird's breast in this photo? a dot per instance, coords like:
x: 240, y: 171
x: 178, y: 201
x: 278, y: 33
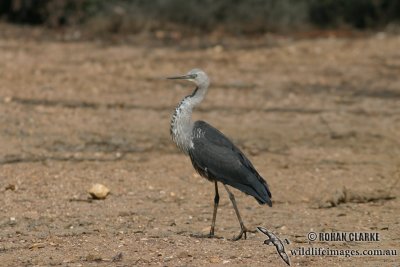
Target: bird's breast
x: 181, y: 128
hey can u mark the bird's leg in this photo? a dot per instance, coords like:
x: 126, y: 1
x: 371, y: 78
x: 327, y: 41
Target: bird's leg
x: 216, y: 201
x: 243, y: 229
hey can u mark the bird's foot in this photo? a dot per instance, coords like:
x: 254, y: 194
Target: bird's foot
x: 243, y: 232
x: 209, y: 235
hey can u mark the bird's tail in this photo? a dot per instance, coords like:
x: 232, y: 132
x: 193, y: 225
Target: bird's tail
x: 255, y: 186
x: 263, y: 194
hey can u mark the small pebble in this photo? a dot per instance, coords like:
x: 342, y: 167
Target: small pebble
x: 117, y: 257
x: 10, y: 187
x: 37, y: 245
x: 214, y: 260
x: 99, y: 191
x: 13, y: 221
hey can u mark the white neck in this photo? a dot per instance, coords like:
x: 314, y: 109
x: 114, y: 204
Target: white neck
x: 181, y: 123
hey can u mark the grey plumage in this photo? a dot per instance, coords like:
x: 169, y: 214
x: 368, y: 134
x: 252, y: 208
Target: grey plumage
x: 212, y: 154
x: 215, y: 157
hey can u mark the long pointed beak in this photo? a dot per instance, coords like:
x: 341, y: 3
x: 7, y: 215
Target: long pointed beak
x: 184, y: 77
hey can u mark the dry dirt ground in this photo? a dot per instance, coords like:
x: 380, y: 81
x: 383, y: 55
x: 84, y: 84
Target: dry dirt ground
x: 320, y: 119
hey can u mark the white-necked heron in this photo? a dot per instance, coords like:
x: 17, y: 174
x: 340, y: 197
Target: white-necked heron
x: 213, y: 155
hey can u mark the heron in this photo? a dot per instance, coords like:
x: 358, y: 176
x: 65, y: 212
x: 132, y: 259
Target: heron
x: 213, y: 155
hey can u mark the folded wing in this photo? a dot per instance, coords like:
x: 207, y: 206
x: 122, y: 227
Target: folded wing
x: 215, y: 157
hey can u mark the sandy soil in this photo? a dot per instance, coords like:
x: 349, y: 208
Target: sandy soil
x: 320, y: 119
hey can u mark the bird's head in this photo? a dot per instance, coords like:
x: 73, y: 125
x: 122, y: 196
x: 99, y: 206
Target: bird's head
x: 196, y: 76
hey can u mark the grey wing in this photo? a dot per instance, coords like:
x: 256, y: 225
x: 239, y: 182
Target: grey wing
x: 214, y: 156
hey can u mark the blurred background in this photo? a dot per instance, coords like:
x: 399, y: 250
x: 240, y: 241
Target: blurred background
x: 234, y: 17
